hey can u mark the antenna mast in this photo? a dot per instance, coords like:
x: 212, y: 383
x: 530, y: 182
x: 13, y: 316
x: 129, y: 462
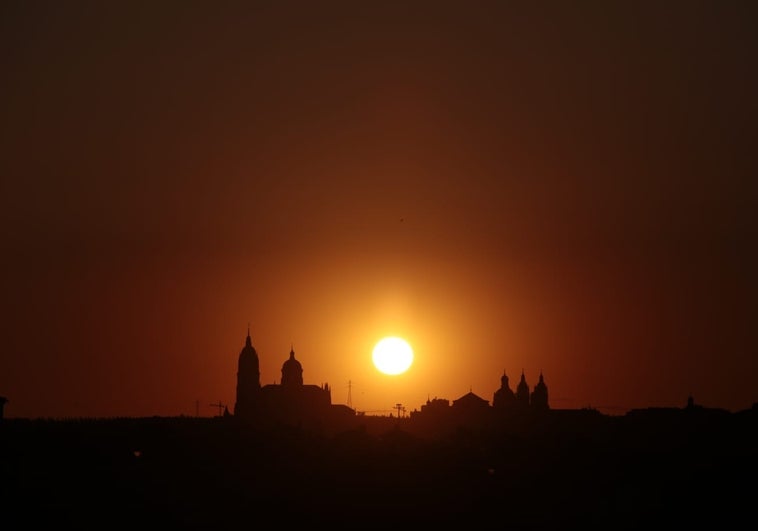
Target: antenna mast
x: 220, y: 407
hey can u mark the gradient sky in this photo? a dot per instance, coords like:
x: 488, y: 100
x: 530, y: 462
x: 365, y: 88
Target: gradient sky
x: 565, y: 187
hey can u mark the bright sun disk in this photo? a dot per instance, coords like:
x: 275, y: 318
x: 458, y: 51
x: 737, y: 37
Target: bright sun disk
x: 392, y: 355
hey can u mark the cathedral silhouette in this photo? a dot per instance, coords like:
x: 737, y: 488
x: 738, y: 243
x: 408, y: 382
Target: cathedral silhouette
x: 291, y: 401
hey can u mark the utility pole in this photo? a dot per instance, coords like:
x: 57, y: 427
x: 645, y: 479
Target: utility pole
x: 220, y: 407
x: 399, y: 408
x: 350, y: 394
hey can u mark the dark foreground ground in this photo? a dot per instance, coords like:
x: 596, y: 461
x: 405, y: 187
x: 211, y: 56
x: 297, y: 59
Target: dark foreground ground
x: 182, y: 473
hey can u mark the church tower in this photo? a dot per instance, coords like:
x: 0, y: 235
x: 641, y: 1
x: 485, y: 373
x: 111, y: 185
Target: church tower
x: 522, y: 392
x: 539, y: 395
x: 248, y: 380
x: 504, y: 398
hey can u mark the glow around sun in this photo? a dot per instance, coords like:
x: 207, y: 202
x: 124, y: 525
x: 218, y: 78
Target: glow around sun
x: 392, y: 355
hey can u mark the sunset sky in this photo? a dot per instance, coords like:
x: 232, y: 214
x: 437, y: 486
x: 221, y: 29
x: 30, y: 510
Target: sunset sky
x: 565, y: 187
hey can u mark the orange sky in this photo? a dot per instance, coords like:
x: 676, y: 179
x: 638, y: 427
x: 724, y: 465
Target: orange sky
x: 507, y: 187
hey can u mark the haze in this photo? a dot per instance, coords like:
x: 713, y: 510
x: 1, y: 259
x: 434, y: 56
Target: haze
x: 564, y: 188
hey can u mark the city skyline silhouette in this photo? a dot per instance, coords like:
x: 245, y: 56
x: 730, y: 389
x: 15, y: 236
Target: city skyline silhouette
x: 314, y: 399
x: 553, y: 203
x: 211, y: 213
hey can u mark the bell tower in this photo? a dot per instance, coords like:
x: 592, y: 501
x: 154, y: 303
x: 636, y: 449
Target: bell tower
x: 539, y: 395
x: 248, y: 379
x: 522, y: 392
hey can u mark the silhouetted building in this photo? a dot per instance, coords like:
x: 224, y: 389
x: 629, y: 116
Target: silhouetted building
x: 539, y: 395
x: 440, y: 415
x: 670, y: 415
x: 504, y: 398
x: 292, y: 371
x: 522, y: 392
x: 470, y: 410
x: 436, y: 406
x: 506, y: 401
x: 470, y: 403
x: 291, y: 401
x: 248, y: 380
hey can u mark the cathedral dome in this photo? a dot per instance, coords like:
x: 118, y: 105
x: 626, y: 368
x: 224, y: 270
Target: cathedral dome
x: 292, y: 371
x: 292, y: 365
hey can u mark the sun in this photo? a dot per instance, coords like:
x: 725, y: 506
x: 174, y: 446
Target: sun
x: 392, y: 355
